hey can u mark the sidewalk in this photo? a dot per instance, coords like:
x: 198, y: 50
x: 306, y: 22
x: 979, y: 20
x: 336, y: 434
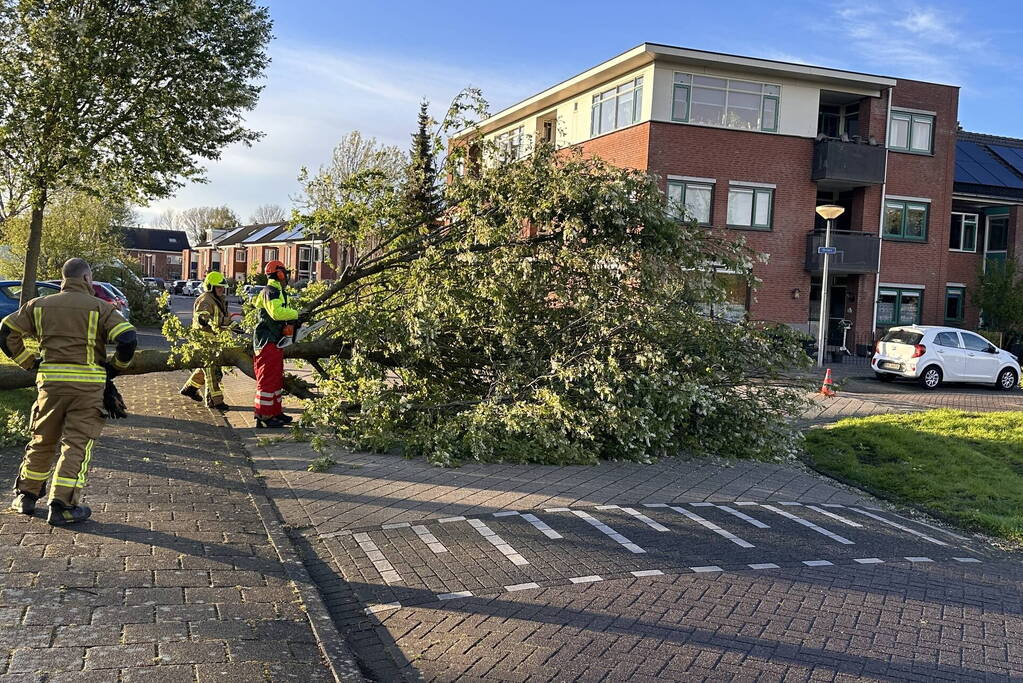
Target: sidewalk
x: 178, y: 576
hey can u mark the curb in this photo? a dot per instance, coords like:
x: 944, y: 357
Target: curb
x: 339, y: 657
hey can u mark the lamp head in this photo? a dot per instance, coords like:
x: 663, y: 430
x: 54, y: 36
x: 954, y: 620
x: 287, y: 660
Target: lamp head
x: 830, y: 211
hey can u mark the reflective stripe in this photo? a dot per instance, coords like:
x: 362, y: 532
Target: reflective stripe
x: 26, y: 473
x: 53, y: 377
x: 119, y: 364
x: 119, y: 329
x: 90, y: 338
x: 23, y: 356
x: 39, y: 322
x: 85, y: 463
x: 267, y: 394
x: 73, y: 367
x: 7, y: 321
x: 266, y: 403
x: 63, y: 481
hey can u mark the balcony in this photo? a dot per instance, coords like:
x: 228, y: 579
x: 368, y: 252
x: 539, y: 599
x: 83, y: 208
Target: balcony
x: 856, y: 252
x: 843, y: 164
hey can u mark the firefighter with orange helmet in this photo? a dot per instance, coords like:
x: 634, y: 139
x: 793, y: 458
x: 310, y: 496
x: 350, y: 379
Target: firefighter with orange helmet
x: 276, y: 323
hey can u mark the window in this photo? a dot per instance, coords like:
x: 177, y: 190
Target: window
x: 725, y: 102
x: 733, y: 290
x: 908, y: 132
x: 997, y: 233
x: 617, y: 107
x: 974, y: 343
x: 174, y: 260
x: 695, y: 198
x: 750, y: 207
x: 239, y: 255
x: 947, y: 339
x: 509, y: 144
x: 963, y: 234
x: 955, y: 298
x: 899, y: 306
x: 905, y: 220
x: 270, y: 254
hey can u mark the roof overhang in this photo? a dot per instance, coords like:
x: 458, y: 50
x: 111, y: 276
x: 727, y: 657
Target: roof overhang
x: 646, y: 53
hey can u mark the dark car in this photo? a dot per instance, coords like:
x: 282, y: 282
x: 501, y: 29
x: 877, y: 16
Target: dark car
x: 10, y: 294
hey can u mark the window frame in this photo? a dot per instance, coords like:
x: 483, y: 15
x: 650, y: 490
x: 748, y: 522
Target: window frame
x: 911, y: 117
x: 962, y: 225
x: 765, y: 94
x: 769, y: 226
x: 613, y: 94
x: 685, y: 185
x: 902, y: 236
x: 511, y: 144
x: 949, y: 289
x: 897, y: 311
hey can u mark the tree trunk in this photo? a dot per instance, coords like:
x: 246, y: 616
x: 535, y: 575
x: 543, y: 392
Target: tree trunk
x: 35, y: 238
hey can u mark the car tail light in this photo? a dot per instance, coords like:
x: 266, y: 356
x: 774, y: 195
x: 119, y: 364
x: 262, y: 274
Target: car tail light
x: 918, y: 351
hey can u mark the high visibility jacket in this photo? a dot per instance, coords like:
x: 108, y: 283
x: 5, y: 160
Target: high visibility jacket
x: 210, y: 312
x: 73, y: 328
x: 274, y: 313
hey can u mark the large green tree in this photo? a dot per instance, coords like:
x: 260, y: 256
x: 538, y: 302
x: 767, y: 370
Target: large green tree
x: 123, y: 98
x: 999, y: 295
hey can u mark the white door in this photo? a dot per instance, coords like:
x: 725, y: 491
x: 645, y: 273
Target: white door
x: 980, y: 365
x: 952, y: 356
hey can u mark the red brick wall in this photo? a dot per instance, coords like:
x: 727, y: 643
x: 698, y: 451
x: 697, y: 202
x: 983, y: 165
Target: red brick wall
x: 154, y: 264
x: 627, y: 147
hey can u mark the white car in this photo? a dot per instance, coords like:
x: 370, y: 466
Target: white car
x: 932, y: 355
x: 192, y: 288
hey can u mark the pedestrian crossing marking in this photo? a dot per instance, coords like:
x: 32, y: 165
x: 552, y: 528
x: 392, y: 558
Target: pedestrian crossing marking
x: 491, y: 536
x: 898, y: 526
x: 832, y: 515
x: 643, y: 518
x: 809, y: 525
x: 743, y: 516
x: 385, y: 568
x: 713, y: 527
x: 429, y: 539
x: 541, y: 526
x: 611, y: 533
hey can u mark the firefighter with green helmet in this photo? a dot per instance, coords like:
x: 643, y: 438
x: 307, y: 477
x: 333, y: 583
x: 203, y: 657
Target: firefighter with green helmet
x: 209, y: 313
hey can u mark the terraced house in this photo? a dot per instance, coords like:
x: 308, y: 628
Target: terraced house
x: 751, y: 146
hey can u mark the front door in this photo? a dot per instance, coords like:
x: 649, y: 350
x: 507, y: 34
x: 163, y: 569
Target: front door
x: 981, y: 366
x: 953, y: 356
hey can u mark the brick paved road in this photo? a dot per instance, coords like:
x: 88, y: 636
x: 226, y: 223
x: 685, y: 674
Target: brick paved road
x: 174, y: 579
x: 542, y: 574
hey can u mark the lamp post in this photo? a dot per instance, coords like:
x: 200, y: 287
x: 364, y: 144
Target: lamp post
x: 829, y: 212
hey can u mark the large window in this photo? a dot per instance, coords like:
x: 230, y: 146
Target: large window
x: 693, y: 197
x: 963, y: 233
x: 725, y: 102
x: 750, y: 207
x: 735, y: 295
x: 905, y: 220
x: 909, y: 132
x: 174, y: 260
x: 509, y: 144
x: 955, y: 299
x: 617, y: 107
x: 898, y: 306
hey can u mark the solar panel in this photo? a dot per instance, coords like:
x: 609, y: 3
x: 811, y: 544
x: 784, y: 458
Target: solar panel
x: 1010, y: 155
x: 976, y: 165
x: 260, y: 234
x: 294, y: 234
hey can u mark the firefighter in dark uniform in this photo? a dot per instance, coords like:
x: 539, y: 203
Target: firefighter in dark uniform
x: 210, y: 313
x: 73, y: 328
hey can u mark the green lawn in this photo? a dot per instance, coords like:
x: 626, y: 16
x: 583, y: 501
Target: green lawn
x: 964, y: 467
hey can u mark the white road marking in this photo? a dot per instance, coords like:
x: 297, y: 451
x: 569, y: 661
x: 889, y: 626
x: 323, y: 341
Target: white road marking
x: 604, y: 528
x: 655, y: 505
x: 521, y: 587
x: 335, y: 534
x: 452, y: 596
x: 713, y: 527
x: 702, y: 505
x: 541, y: 526
x: 586, y: 579
x: 832, y: 515
x: 608, y: 507
x: 496, y: 541
x: 556, y: 509
x: 745, y: 502
x: 429, y: 539
x: 919, y: 559
x: 373, y: 609
x: 809, y: 525
x: 898, y: 526
x: 743, y: 516
x: 398, y: 525
x: 385, y: 568
x: 790, y: 503
x: 445, y: 520
x: 643, y: 518
x: 709, y: 568
x: 818, y: 563
x: 929, y: 526
x: 966, y: 559
x: 764, y: 565
x: 648, y: 572
x: 506, y: 513
x: 869, y: 560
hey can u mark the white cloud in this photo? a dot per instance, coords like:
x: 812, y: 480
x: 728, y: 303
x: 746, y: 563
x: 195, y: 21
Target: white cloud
x: 312, y: 98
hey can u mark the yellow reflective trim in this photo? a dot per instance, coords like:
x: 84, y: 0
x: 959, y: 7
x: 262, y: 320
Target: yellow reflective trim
x: 39, y: 322
x: 85, y: 463
x: 7, y: 321
x: 64, y: 481
x: 118, y: 363
x: 23, y: 356
x: 90, y: 338
x: 73, y: 367
x: 50, y: 377
x: 26, y: 473
x: 120, y: 329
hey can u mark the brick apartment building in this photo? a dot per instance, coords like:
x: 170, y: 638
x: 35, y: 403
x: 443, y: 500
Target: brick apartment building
x: 246, y: 249
x: 158, y: 251
x: 751, y: 146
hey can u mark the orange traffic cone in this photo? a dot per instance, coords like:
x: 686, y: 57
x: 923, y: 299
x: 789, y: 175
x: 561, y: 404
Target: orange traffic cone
x: 827, y: 388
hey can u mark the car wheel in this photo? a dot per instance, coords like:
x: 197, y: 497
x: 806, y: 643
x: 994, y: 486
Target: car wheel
x: 1007, y: 380
x: 930, y: 378
x: 885, y: 376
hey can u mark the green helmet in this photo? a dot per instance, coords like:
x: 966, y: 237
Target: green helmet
x: 214, y: 279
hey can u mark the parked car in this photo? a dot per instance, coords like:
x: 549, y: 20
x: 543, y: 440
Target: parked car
x: 932, y: 355
x: 107, y: 292
x: 251, y: 290
x: 10, y: 294
x: 177, y: 286
x: 192, y: 288
x: 156, y: 284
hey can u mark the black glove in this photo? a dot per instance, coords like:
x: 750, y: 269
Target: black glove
x: 113, y: 404
x: 111, y: 370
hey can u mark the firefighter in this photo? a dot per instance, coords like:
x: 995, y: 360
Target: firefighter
x: 274, y: 326
x: 210, y: 313
x: 72, y: 328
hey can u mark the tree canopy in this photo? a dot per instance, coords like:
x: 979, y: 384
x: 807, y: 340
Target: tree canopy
x: 352, y: 155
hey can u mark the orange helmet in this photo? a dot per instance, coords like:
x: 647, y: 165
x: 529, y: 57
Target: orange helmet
x: 271, y: 268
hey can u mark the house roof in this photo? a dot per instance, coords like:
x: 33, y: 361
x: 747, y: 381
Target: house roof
x: 260, y: 233
x: 988, y: 165
x: 149, y: 239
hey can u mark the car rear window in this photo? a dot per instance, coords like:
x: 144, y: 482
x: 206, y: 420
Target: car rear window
x: 903, y: 337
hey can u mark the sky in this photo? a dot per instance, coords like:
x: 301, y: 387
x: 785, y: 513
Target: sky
x: 341, y: 65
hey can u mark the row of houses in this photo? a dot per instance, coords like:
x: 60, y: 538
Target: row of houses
x: 752, y: 146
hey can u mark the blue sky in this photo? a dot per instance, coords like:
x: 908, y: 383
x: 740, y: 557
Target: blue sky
x: 340, y: 65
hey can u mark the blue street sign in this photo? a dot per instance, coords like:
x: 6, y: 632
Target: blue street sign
x: 827, y: 250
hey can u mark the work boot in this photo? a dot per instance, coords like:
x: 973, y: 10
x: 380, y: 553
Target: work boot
x: 191, y: 392
x: 221, y: 407
x: 62, y: 515
x: 25, y: 503
x: 274, y: 422
x: 285, y: 418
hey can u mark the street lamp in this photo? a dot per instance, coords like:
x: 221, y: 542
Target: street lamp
x: 829, y: 212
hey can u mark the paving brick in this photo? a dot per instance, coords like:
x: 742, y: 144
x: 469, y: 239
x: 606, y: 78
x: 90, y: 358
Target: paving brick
x: 162, y: 673
x: 192, y: 653
x: 230, y: 672
x: 120, y: 656
x: 46, y: 659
